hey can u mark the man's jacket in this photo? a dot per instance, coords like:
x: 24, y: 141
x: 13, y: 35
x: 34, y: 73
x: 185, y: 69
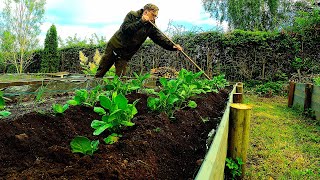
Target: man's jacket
x: 133, y: 32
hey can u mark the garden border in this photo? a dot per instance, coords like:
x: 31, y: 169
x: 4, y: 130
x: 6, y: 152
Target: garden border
x: 305, y: 96
x: 214, y: 162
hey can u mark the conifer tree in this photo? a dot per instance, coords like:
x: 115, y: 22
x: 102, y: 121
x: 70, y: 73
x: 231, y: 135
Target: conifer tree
x: 50, y: 58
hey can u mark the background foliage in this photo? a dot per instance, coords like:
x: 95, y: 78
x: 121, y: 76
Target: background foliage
x: 20, y: 22
x: 278, y: 55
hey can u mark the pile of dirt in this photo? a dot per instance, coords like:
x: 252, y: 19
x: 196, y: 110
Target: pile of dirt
x: 37, y: 146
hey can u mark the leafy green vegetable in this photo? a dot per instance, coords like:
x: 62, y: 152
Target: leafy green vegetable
x: 175, y: 93
x: 119, y: 113
x: 59, y: 109
x: 4, y: 114
x: 81, y: 144
x: 192, y: 104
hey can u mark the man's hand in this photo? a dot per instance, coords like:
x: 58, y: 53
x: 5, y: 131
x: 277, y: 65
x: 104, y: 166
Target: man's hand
x: 178, y: 47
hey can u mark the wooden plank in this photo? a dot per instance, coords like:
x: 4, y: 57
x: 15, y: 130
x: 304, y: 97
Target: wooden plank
x: 299, y: 96
x: 58, y: 74
x: 291, y: 93
x: 308, y: 96
x: 213, y: 165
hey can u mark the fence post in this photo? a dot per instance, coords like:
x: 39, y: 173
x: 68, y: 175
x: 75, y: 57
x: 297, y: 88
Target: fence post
x: 308, y: 96
x: 292, y: 86
x: 239, y: 87
x: 239, y: 128
x: 237, y: 98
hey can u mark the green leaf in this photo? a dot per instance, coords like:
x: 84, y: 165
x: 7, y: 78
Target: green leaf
x: 105, y: 102
x: 65, y: 107
x: 189, y: 78
x: 172, y: 99
x: 72, y: 102
x: 121, y: 101
x: 127, y: 123
x: 192, y: 104
x: 163, y: 81
x: 95, y: 145
x: 57, y: 108
x: 132, y: 110
x: 4, y: 114
x: 81, y: 144
x: 153, y: 103
x: 99, y: 110
x: 99, y: 126
x: 113, y: 138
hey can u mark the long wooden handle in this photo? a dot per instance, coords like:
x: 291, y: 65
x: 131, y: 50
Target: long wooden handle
x: 181, y: 50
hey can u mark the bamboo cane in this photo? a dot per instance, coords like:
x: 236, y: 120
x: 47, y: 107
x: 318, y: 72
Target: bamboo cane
x: 181, y: 50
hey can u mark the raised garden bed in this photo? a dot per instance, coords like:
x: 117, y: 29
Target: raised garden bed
x: 305, y: 97
x: 37, y: 146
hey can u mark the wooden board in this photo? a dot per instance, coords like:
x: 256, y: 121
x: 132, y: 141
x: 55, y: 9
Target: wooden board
x: 299, y: 96
x: 213, y: 165
x: 315, y: 101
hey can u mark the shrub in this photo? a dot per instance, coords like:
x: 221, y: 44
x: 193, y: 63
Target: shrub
x: 317, y: 81
x: 270, y: 89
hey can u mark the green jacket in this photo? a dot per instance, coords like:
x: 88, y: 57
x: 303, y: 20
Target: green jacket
x: 133, y: 32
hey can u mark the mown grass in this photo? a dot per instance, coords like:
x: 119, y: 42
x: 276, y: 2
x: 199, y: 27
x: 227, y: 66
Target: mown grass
x: 283, y: 143
x: 19, y: 77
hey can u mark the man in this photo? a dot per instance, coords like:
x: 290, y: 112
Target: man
x: 127, y: 40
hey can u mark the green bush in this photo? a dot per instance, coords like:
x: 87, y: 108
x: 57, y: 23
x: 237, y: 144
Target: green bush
x: 317, y: 81
x: 270, y: 89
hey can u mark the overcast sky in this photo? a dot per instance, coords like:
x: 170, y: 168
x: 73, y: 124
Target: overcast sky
x: 104, y: 17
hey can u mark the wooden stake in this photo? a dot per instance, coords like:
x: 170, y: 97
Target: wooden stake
x: 239, y: 87
x: 237, y: 98
x: 292, y: 86
x: 238, y: 140
x: 308, y: 96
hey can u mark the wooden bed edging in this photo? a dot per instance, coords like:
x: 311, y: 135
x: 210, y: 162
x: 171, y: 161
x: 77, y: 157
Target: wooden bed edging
x: 214, y: 162
x: 305, y: 97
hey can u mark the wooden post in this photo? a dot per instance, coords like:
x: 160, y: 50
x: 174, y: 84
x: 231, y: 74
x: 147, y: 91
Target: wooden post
x: 308, y: 96
x: 238, y: 140
x: 239, y: 87
x: 237, y: 98
x: 292, y: 86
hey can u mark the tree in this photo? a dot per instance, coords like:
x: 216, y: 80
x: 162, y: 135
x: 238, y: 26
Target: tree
x: 22, y: 19
x: 250, y: 14
x: 6, y: 49
x: 50, y: 58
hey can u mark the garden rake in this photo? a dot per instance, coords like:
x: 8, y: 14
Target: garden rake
x: 181, y: 50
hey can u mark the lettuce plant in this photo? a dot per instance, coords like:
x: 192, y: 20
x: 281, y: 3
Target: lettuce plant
x: 81, y: 144
x: 84, y: 97
x: 59, y: 109
x: 4, y: 114
x: 175, y: 93
x: 137, y: 83
x: 116, y: 113
x: 163, y: 103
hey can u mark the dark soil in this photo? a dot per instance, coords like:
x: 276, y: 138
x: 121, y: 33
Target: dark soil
x: 36, y: 146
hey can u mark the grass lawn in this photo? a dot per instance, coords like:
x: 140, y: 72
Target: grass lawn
x: 283, y: 144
